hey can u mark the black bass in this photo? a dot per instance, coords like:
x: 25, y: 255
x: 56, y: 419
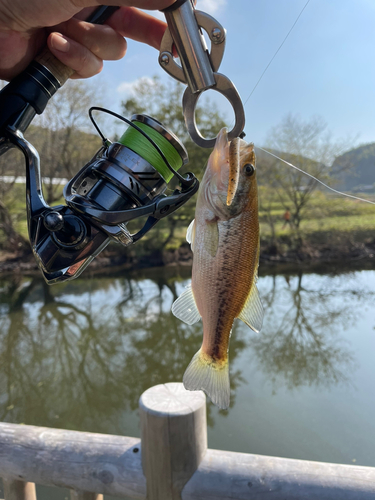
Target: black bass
x: 224, y: 238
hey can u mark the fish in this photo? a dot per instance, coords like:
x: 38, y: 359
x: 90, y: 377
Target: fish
x: 224, y: 238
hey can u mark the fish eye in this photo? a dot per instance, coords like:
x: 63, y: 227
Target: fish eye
x: 249, y: 169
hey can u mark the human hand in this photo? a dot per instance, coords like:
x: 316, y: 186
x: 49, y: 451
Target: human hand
x: 26, y: 26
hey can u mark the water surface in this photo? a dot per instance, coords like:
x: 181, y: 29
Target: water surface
x: 79, y: 355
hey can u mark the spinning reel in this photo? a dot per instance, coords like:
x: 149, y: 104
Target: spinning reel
x: 124, y: 180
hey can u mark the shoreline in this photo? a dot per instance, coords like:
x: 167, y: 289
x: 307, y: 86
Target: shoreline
x: 306, y: 258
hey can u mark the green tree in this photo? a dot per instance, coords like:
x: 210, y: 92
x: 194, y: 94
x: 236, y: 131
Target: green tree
x: 163, y: 102
x: 10, y: 239
x: 12, y: 204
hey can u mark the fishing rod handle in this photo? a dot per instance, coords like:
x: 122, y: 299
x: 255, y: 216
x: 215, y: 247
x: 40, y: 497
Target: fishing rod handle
x: 59, y: 70
x: 29, y: 92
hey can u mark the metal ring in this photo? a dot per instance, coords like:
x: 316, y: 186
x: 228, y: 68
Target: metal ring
x: 228, y: 90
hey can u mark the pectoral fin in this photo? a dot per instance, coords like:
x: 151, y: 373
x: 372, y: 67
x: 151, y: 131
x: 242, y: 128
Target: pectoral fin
x: 211, y: 238
x: 252, y: 312
x: 190, y: 234
x: 185, y: 308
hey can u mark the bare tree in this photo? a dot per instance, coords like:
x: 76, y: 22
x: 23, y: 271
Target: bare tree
x: 61, y: 135
x: 308, y: 145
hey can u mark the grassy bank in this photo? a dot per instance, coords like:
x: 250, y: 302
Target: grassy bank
x: 325, y: 215
x: 328, y: 220
x: 332, y: 227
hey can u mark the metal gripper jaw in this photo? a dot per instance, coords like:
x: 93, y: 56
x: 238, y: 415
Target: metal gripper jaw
x: 199, y: 66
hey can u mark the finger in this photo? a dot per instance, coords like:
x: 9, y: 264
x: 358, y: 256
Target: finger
x: 74, y: 55
x: 102, y: 40
x: 137, y: 25
x: 85, y: 13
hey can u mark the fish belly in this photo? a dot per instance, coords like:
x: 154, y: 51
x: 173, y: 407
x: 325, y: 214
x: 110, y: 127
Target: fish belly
x: 221, y: 283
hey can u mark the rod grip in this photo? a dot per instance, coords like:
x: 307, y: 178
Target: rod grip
x: 61, y: 72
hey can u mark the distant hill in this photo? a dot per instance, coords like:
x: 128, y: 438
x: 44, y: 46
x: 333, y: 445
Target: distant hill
x: 355, y: 169
x: 267, y: 163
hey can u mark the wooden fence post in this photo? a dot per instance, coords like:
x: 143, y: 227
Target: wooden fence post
x: 173, y: 437
x: 18, y: 490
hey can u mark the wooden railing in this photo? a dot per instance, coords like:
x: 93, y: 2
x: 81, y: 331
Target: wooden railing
x: 174, y: 462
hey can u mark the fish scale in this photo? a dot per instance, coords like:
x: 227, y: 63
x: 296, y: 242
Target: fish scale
x: 225, y: 244
x: 222, y: 292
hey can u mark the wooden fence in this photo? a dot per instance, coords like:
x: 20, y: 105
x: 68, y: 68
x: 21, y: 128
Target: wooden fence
x: 174, y: 462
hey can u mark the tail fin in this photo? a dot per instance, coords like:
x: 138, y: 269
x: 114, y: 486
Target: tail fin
x: 210, y: 376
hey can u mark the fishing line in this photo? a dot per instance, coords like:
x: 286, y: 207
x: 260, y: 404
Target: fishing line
x: 317, y: 180
x: 187, y: 181
x: 277, y: 51
x: 136, y: 141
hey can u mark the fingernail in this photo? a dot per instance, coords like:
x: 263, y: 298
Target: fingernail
x: 60, y: 43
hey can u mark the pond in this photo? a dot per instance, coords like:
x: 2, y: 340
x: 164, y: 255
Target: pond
x: 79, y: 355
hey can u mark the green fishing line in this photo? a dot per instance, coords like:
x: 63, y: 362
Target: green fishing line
x: 139, y: 144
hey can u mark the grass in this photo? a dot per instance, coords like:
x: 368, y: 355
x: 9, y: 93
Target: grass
x: 342, y: 224
x: 327, y: 219
x: 15, y: 201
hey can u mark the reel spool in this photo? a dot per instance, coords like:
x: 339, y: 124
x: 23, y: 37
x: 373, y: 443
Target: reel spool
x: 123, y: 181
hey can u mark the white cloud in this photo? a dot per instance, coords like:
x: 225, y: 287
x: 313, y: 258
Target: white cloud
x: 211, y: 6
x: 127, y: 88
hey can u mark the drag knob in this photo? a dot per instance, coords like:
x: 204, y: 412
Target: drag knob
x: 53, y: 221
x: 68, y: 230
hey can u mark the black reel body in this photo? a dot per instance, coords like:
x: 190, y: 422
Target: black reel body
x: 116, y: 186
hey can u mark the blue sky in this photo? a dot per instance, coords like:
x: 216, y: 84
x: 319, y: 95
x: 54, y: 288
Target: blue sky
x: 326, y: 66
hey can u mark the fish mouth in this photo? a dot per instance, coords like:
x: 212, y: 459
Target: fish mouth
x: 225, y: 170
x: 225, y: 183
x: 234, y: 169
x: 220, y: 154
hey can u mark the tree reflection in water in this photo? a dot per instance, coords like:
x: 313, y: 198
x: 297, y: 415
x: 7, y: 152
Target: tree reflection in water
x: 300, y: 342
x: 79, y: 355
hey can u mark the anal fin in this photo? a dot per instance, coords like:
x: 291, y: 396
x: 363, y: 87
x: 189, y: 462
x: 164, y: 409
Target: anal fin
x: 252, y: 311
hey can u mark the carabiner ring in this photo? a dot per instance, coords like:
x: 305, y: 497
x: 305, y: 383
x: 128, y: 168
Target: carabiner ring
x: 228, y: 90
